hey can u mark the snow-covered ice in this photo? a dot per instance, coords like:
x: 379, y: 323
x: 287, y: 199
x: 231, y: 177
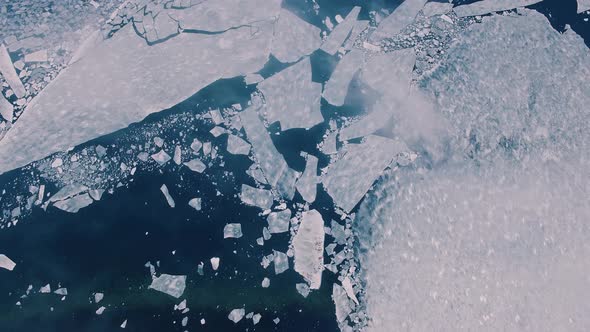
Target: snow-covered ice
x: 294, y: 37
x: 490, y: 6
x: 214, y: 263
x: 433, y: 8
x: 341, y: 302
x: 336, y: 38
x: 172, y: 285
x: 9, y: 73
x: 6, y: 109
x: 336, y: 89
x: 236, y: 145
x: 402, y: 16
x: 6, y: 263
x: 308, y: 245
x: 261, y: 198
x: 196, y: 165
x: 278, y: 222
x: 161, y: 157
x: 74, y: 204
x: 233, y: 230
x: 169, y: 199
x: 308, y: 181
x: 280, y: 261
x: 195, y: 203
x: 236, y: 315
x: 583, y: 5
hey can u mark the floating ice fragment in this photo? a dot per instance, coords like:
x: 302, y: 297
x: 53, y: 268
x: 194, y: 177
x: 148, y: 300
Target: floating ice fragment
x: 58, y: 162
x: 232, y: 231
x: 9, y: 74
x: 217, y: 131
x: 45, y: 289
x: 256, y: 174
x: 390, y: 73
x: 124, y: 324
x: 336, y: 88
x: 6, y: 263
x: 278, y: 222
x: 308, y: 245
x: 359, y: 27
x: 6, y: 109
x: 169, y: 199
x: 159, y: 141
x: 583, y: 5
x: 347, y: 285
x: 236, y: 145
x: 236, y: 315
x: 96, y: 194
x: 172, y: 285
x: 307, y: 182
x: 100, y: 310
x: 196, y: 145
x: 39, y: 56
x: 256, y: 318
x: 337, y: 37
x: 281, y: 262
x: 184, y: 321
x: 436, y: 8
x: 61, y: 291
x: 294, y: 38
x: 214, y: 263
x: 261, y: 198
x: 489, y: 6
x: 177, y: 155
x: 216, y: 116
x: 196, y: 165
x: 303, y: 289
x: 265, y: 283
x: 401, y: 17
x: 74, y: 204
x: 98, y: 297
x: 195, y: 203
x: 253, y: 79
x: 292, y: 98
x: 340, y: 299
x: 68, y: 191
x: 161, y: 157
x: 338, y: 233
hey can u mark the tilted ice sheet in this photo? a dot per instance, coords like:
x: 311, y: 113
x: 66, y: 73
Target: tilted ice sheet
x: 337, y: 37
x: 294, y: 37
x: 308, y: 248
x: 401, y: 17
x: 122, y: 80
x: 489, y: 6
x: 292, y: 98
x: 336, y: 89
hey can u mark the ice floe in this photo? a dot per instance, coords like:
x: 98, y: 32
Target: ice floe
x: 233, y: 230
x: 340, y: 299
x: 261, y: 198
x: 337, y: 37
x: 6, y: 263
x: 278, y: 222
x: 490, y: 6
x: 169, y: 199
x: 402, y: 16
x: 280, y: 261
x: 358, y: 28
x: 236, y: 145
x: 6, y: 109
x: 436, y: 8
x: 9, y: 73
x: 294, y: 38
x: 74, y: 204
x: 336, y: 89
x: 172, y: 285
x: 161, y: 157
x: 236, y: 315
x: 195, y: 203
x: 196, y: 165
x: 308, y: 247
x: 214, y: 263
x: 307, y: 182
x: 583, y: 5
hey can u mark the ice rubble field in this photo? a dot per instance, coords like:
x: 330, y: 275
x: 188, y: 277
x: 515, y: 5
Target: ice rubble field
x: 496, y: 238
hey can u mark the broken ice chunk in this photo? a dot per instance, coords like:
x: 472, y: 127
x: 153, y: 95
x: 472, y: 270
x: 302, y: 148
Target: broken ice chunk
x: 307, y: 183
x: 347, y: 285
x: 308, y: 245
x: 177, y: 155
x: 216, y: 117
x: 195, y: 203
x: 196, y: 165
x: 265, y: 283
x: 161, y: 157
x: 169, y: 198
x: 489, y: 6
x: 337, y: 232
x: 256, y: 318
x: 436, y: 8
x: 196, y: 145
x: 61, y: 291
x: 292, y: 98
x: 124, y: 324
x: 303, y: 289
x: 401, y: 17
x: 398, y: 76
x: 214, y: 263
x: 6, y: 109
x: 337, y: 37
x: 217, y: 131
x: 98, y: 297
x: 6, y: 263
x: 336, y: 88
x: 236, y: 315
x: 253, y: 79
x: 159, y: 141
x: 261, y: 198
x: 256, y: 174
x: 278, y: 222
x: 232, y: 231
x: 281, y: 262
x: 39, y: 56
x: 583, y: 5
x: 9, y: 74
x: 74, y: 204
x: 349, y: 178
x: 45, y: 289
x: 294, y: 37
x: 236, y: 145
x: 172, y: 285
x: 340, y: 299
x: 96, y: 194
x: 100, y: 310
x: 68, y: 191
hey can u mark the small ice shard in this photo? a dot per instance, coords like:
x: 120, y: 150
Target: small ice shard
x: 256, y: 318
x: 172, y: 285
x: 9, y: 73
x: 202, y: 321
x: 161, y: 157
x: 169, y: 199
x: 307, y: 182
x: 61, y: 291
x: 217, y: 131
x: 74, y: 204
x: 100, y: 310
x: 184, y: 321
x: 261, y: 198
x: 98, y: 297
x: 256, y: 174
x: 159, y: 141
x: 340, y: 299
x: 195, y: 203
x: 236, y: 145
x: 303, y: 289
x: 236, y: 315
x: 232, y: 231
x: 196, y: 145
x: 265, y: 283
x: 39, y: 56
x: 6, y: 109
x: 88, y: 44
x: 196, y: 165
x: 96, y: 194
x: 436, y: 8
x: 359, y: 27
x: 181, y: 306
x: 583, y: 5
x: 336, y: 88
x: 6, y: 263
x: 253, y: 79
x: 124, y: 324
x: 308, y: 246
x: 337, y: 37
x: 349, y: 178
x: 281, y: 262
x: 489, y: 6
x: 45, y: 289
x: 347, y: 285
x: 276, y: 320
x: 200, y: 268
x: 216, y: 116
x: 214, y: 263
x: 402, y: 16
x: 278, y: 222
x: 177, y: 155
x: 294, y: 38
x: 58, y: 162
x: 289, y: 92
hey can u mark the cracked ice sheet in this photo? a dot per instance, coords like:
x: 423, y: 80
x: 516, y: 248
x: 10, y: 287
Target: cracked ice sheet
x: 489, y: 6
x: 401, y: 17
x: 292, y: 98
x: 308, y: 248
x: 294, y: 38
x: 583, y: 5
x: 348, y: 179
x: 122, y: 81
x: 337, y: 37
x: 336, y: 88
x: 74, y: 204
x: 7, y: 70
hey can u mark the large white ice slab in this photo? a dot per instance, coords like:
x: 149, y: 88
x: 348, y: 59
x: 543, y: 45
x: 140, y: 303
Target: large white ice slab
x: 6, y: 109
x: 294, y: 38
x: 261, y: 198
x: 348, y: 179
x: 74, y: 204
x: 583, y: 5
x: 308, y: 246
x: 436, y: 8
x: 292, y: 98
x: 336, y: 88
x: 6, y: 263
x: 172, y: 285
x: 337, y: 37
x: 489, y: 6
x: 401, y: 17
x: 308, y: 182
x: 9, y: 73
x: 124, y: 79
